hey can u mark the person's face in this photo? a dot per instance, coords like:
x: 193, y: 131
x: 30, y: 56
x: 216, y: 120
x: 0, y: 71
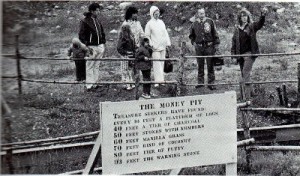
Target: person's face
x: 146, y: 44
x: 201, y: 13
x: 244, y: 18
x: 156, y: 14
x: 96, y: 12
x: 134, y: 17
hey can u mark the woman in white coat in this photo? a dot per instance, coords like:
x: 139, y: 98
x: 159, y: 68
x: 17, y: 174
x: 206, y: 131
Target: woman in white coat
x: 159, y: 39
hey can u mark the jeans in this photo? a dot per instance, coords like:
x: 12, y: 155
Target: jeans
x: 146, y: 77
x: 246, y: 64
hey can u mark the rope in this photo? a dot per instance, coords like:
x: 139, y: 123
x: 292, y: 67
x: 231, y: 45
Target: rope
x: 246, y: 55
x: 99, y: 83
x: 12, y: 56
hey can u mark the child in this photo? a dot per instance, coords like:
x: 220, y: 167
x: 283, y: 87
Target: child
x: 126, y: 47
x: 143, y: 63
x: 78, y: 51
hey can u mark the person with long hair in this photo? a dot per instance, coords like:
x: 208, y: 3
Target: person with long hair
x: 126, y: 47
x: 244, y: 41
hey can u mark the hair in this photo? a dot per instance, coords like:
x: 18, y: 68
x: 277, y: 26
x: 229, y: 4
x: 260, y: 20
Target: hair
x: 94, y: 7
x: 244, y: 11
x: 129, y: 12
x: 144, y: 40
x: 125, y: 32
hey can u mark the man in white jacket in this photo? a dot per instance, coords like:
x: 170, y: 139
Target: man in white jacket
x: 159, y: 39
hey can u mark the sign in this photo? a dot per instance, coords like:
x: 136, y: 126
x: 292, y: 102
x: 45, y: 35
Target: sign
x: 167, y: 133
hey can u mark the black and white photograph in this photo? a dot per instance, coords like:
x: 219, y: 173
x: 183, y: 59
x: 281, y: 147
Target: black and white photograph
x: 150, y: 87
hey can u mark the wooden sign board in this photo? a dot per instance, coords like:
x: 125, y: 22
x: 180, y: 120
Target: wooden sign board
x: 159, y: 134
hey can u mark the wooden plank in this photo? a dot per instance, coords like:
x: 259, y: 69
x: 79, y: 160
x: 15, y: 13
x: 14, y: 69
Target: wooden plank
x: 231, y: 169
x: 93, y: 157
x: 50, y: 148
x: 175, y: 171
x: 245, y: 142
x: 275, y: 148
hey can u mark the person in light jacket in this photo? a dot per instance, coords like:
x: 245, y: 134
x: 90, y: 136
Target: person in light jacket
x: 158, y: 36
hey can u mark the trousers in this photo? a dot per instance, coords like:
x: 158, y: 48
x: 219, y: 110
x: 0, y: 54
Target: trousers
x: 205, y: 51
x: 146, y: 77
x: 246, y: 64
x: 93, y: 67
x: 126, y: 71
x: 158, y: 66
x: 80, y: 70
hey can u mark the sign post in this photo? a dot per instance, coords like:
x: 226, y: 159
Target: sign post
x: 168, y: 133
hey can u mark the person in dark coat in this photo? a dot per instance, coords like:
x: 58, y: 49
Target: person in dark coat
x: 143, y: 63
x: 78, y: 51
x: 91, y: 34
x: 204, y: 37
x: 244, y: 42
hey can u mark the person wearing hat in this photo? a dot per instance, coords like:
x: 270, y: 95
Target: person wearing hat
x: 78, y: 51
x: 244, y: 42
x: 91, y: 34
x: 204, y: 37
x: 158, y: 36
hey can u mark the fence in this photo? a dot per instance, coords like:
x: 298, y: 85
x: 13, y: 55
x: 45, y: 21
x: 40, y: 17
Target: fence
x: 179, y: 84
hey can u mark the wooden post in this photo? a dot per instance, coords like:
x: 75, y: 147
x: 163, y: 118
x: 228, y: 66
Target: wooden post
x: 298, y: 98
x: 7, y: 135
x: 246, y: 126
x: 183, y: 51
x: 137, y: 81
x: 18, y: 57
x: 279, y: 95
x: 231, y: 169
x: 284, y: 95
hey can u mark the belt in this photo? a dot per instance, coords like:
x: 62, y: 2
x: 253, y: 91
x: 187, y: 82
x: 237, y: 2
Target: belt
x: 205, y: 44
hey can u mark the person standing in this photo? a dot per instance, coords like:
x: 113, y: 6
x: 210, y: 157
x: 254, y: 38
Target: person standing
x: 138, y: 33
x: 244, y: 42
x: 158, y: 36
x: 204, y: 37
x: 126, y: 47
x: 91, y: 34
x: 143, y: 63
x: 78, y: 51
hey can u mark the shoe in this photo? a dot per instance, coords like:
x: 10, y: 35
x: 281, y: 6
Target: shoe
x: 146, y: 96
x: 129, y: 88
x: 153, y: 94
x: 156, y: 85
x: 212, y: 87
x: 199, y: 86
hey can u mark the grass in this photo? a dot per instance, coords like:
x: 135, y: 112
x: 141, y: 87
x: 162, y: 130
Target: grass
x: 68, y: 110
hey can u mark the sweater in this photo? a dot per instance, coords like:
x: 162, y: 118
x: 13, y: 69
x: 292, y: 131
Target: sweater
x: 157, y: 33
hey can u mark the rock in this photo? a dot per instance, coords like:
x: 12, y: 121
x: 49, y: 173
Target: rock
x: 56, y: 7
x: 113, y: 31
x: 58, y: 27
x: 124, y: 5
x: 169, y: 29
x: 71, y: 18
x: 110, y: 7
x: 178, y: 29
x: 175, y: 6
x: 193, y: 19
x: 68, y: 12
x: 281, y: 10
